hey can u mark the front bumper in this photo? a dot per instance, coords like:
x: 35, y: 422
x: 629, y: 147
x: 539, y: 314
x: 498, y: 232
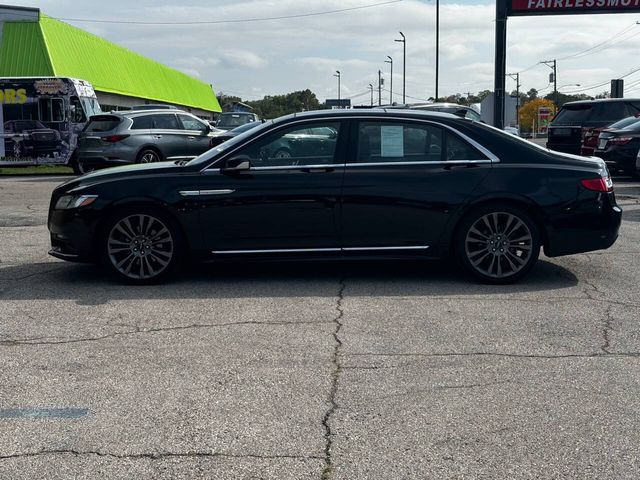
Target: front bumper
x: 72, y: 235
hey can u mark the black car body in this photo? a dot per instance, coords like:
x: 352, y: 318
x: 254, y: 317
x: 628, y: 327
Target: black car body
x: 394, y: 184
x: 619, y: 148
x: 575, y: 120
x: 30, y: 138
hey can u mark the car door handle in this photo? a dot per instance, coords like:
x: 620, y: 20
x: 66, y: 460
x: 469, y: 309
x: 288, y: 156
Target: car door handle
x: 191, y: 137
x: 158, y: 137
x: 454, y: 166
x: 318, y: 169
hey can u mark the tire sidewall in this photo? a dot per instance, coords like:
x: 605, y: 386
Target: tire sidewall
x: 149, y: 150
x: 170, y: 223
x: 470, y: 218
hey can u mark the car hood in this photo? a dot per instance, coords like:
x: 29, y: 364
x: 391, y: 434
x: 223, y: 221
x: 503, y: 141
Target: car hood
x: 109, y: 174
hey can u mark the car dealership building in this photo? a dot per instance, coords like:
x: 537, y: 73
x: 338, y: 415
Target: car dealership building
x: 35, y: 45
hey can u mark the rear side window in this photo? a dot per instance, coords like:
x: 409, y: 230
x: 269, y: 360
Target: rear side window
x: 102, y: 124
x: 398, y: 142
x: 144, y: 122
x: 459, y: 149
x: 609, y: 111
x: 165, y: 122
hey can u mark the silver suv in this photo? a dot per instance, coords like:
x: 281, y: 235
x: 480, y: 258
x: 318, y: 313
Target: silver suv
x: 146, y: 136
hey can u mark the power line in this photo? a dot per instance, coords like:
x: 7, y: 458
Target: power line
x: 240, y: 20
x: 408, y: 96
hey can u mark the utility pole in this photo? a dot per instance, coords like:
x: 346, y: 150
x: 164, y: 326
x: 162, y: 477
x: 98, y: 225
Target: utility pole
x: 404, y: 67
x: 371, y: 88
x: 391, y: 82
x: 437, y: 44
x: 379, y: 87
x: 553, y: 65
x: 516, y: 77
x: 337, y: 74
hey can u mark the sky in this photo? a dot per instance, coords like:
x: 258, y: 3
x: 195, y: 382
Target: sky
x: 253, y: 59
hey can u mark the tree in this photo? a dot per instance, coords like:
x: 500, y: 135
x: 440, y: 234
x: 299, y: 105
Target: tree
x: 529, y: 112
x: 532, y: 94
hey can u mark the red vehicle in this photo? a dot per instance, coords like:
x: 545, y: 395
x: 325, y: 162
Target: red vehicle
x: 590, y: 135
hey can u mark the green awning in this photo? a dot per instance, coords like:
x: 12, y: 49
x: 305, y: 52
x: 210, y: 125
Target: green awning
x: 53, y: 48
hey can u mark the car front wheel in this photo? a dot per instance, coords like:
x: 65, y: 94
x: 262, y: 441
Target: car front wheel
x: 141, y: 246
x: 498, y: 244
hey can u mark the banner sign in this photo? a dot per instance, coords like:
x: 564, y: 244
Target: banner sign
x: 571, y: 7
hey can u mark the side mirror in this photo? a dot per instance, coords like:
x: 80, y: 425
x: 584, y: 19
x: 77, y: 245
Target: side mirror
x: 207, y: 129
x: 241, y: 163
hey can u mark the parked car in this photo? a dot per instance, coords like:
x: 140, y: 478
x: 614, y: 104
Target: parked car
x: 575, y: 120
x: 231, y: 120
x: 30, y: 138
x: 393, y: 184
x: 590, y: 135
x: 223, y: 136
x: 140, y: 137
x: 453, y: 108
x: 619, y: 148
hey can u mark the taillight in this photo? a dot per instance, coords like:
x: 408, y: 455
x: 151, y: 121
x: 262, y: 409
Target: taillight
x: 620, y: 140
x: 114, y: 138
x: 602, y: 184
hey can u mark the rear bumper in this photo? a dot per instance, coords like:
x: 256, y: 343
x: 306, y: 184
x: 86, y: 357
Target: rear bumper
x: 586, y: 229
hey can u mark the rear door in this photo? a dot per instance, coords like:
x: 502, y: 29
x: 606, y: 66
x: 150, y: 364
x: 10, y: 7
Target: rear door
x: 197, y: 134
x: 403, y: 181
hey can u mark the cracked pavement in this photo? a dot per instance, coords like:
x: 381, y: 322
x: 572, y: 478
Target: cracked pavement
x: 318, y: 371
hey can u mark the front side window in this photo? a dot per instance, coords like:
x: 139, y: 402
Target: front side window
x: 77, y: 113
x: 190, y: 123
x: 295, y: 146
x: 398, y: 142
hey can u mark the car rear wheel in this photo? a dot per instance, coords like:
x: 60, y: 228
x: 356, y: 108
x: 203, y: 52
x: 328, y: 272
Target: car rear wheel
x: 141, y: 246
x: 282, y: 153
x: 498, y: 244
x: 148, y: 156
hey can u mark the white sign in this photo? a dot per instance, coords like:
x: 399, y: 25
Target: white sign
x: 391, y: 141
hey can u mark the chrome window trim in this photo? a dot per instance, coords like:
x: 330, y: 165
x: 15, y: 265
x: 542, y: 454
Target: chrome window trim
x: 450, y: 162
x: 490, y: 156
x: 300, y: 167
x: 303, y: 250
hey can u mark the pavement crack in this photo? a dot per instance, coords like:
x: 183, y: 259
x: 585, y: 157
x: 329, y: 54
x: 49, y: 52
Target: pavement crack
x: 335, y: 376
x: 606, y: 330
x: 139, y: 330
x: 156, y: 455
x: 24, y: 277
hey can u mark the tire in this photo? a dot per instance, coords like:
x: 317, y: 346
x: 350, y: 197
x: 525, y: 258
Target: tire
x: 141, y: 245
x: 148, y: 155
x: 282, y: 153
x: 497, y: 244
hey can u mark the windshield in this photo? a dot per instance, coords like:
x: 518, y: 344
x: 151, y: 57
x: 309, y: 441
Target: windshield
x: 232, y: 142
x: 90, y: 106
x: 234, y: 120
x: 573, y: 115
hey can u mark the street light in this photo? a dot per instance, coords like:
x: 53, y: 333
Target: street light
x: 403, y: 40
x: 390, y: 61
x: 337, y: 74
x: 371, y: 88
x: 570, y: 85
x: 437, y: 44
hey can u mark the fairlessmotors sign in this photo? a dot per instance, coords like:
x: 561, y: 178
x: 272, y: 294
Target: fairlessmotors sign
x: 571, y: 7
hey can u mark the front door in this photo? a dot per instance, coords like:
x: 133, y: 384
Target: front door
x: 403, y: 181
x: 286, y: 202
x: 196, y: 135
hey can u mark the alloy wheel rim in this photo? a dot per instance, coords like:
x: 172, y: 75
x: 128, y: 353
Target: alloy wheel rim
x: 148, y: 157
x: 499, y: 244
x: 140, y: 246
x: 282, y: 154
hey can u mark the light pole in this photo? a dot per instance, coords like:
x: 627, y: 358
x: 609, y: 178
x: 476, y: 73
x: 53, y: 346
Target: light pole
x: 379, y: 87
x: 553, y: 65
x: 371, y: 88
x: 516, y: 77
x: 437, y: 44
x: 337, y: 74
x: 404, y: 66
x: 390, y: 61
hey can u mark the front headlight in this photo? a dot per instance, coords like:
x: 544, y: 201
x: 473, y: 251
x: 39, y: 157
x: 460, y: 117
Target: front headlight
x: 74, y: 201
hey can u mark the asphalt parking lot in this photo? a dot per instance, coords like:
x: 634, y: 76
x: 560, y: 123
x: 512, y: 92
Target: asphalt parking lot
x: 296, y: 371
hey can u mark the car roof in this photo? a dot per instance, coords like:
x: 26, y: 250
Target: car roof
x: 372, y: 112
x: 135, y: 113
x: 602, y: 100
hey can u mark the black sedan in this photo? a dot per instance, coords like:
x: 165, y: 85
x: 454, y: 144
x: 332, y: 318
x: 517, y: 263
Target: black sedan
x: 619, y: 147
x: 394, y: 184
